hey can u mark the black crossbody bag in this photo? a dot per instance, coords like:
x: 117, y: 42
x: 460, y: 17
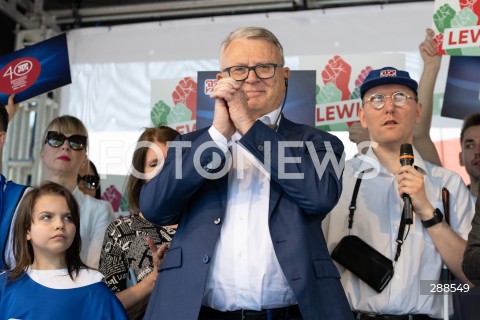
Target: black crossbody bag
x: 360, y: 258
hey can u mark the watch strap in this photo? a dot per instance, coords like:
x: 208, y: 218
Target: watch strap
x: 437, y: 218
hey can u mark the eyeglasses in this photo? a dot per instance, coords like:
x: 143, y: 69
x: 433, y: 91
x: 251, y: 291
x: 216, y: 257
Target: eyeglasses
x: 378, y: 100
x: 262, y: 71
x: 89, y: 181
x: 56, y: 140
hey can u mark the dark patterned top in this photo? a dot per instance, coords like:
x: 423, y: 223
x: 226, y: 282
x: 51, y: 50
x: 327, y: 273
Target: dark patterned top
x: 124, y: 246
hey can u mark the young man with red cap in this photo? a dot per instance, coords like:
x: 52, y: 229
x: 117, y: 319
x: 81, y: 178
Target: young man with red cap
x: 372, y: 207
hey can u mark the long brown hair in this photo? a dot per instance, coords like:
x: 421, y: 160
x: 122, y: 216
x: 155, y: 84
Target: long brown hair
x: 161, y: 134
x: 22, y: 248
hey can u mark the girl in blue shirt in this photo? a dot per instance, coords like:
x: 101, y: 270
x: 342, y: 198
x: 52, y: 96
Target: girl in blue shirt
x: 50, y: 281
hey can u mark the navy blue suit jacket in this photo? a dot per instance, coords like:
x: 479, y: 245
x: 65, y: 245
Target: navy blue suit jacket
x: 297, y: 207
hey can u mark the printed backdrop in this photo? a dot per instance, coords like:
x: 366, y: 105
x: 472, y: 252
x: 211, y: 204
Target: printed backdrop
x: 457, y: 27
x: 338, y: 82
x: 114, y: 69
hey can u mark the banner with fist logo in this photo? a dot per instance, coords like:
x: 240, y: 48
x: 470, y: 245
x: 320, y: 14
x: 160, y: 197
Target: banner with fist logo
x: 338, y: 85
x: 174, y: 104
x: 457, y: 27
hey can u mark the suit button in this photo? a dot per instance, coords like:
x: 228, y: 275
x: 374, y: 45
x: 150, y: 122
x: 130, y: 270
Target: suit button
x: 260, y: 148
x: 217, y: 221
x: 205, y: 259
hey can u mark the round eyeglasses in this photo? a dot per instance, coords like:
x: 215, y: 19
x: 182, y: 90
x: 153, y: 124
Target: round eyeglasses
x: 262, y: 71
x: 378, y: 100
x: 56, y: 139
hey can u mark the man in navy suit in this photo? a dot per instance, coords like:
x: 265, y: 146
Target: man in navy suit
x: 249, y: 194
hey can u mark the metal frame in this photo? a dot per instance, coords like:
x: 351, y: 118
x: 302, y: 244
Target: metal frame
x: 323, y: 4
x: 35, y: 16
x: 28, y: 14
x: 171, y: 9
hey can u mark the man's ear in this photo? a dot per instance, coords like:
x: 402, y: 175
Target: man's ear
x: 460, y: 159
x: 419, y: 112
x: 286, y: 72
x: 361, y: 117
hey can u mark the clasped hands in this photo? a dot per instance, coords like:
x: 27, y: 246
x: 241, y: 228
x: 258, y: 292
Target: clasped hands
x: 232, y: 112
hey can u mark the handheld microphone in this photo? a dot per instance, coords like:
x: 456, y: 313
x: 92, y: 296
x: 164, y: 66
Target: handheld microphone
x: 406, y: 159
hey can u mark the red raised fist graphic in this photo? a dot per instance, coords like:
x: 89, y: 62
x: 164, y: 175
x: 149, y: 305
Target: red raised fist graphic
x: 113, y: 196
x: 337, y: 71
x: 439, y: 42
x: 186, y: 93
x: 363, y: 74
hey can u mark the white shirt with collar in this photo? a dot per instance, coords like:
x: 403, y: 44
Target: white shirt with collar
x: 376, y: 221
x: 244, y: 271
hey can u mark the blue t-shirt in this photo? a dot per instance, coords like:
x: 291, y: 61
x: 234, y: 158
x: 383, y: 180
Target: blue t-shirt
x: 26, y: 299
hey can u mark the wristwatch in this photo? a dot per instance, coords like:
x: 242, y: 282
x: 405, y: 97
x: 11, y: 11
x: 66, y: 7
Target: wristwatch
x: 437, y: 218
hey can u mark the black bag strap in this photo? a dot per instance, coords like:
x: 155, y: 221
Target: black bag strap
x: 446, y: 204
x: 400, y: 239
x: 353, y: 207
x: 446, y: 275
x: 353, y: 203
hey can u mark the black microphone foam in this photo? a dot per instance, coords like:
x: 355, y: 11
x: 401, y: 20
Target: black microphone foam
x: 406, y: 154
x: 406, y: 159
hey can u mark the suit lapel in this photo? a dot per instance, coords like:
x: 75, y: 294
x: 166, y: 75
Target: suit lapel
x: 275, y: 189
x: 222, y: 189
x: 275, y: 193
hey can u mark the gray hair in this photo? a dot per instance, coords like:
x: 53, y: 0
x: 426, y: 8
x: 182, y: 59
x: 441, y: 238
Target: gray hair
x: 253, y: 33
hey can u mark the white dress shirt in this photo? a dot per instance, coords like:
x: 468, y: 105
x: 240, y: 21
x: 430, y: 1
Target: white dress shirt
x: 244, y: 271
x: 376, y: 221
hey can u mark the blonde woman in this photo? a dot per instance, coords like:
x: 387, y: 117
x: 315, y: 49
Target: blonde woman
x: 63, y: 153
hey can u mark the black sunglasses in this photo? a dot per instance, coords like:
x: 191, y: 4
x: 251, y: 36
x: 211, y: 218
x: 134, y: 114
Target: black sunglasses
x: 89, y: 181
x: 56, y: 140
